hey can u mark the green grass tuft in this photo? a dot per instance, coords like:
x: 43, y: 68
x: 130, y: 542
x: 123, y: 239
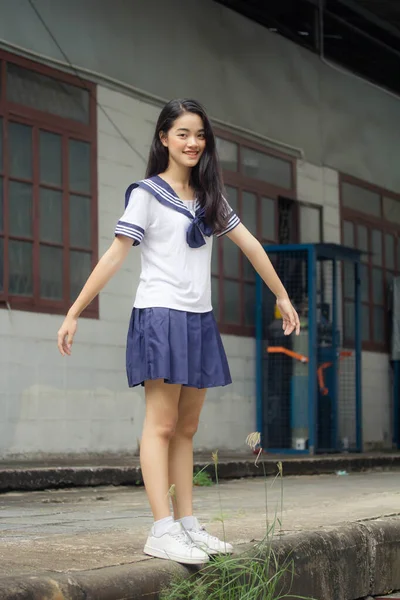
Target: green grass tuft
x: 202, y: 478
x: 256, y: 574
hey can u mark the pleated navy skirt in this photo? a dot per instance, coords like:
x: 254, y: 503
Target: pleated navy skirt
x: 177, y: 346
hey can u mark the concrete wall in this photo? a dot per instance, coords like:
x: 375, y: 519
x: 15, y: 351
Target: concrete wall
x: 377, y: 401
x: 244, y: 75
x: 81, y: 404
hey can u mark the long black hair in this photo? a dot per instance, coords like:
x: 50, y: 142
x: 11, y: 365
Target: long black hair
x: 206, y: 176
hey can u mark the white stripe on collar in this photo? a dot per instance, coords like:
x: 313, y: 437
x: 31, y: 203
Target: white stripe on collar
x: 168, y: 197
x: 163, y: 192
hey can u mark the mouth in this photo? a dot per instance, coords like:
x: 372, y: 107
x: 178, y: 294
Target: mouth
x: 193, y: 154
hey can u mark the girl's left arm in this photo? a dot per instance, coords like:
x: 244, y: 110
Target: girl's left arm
x: 252, y: 248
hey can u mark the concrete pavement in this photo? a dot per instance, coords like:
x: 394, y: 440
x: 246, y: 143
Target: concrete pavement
x: 78, y: 530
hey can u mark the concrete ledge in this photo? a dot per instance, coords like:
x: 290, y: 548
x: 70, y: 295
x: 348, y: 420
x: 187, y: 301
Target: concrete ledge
x: 34, y: 478
x: 348, y: 562
x: 344, y: 563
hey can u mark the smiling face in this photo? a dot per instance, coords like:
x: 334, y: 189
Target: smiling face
x: 185, y: 140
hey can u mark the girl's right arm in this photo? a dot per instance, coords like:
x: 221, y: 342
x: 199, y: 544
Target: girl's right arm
x: 107, y: 266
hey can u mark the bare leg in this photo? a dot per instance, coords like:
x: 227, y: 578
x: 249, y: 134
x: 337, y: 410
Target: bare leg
x: 181, y: 450
x: 161, y: 417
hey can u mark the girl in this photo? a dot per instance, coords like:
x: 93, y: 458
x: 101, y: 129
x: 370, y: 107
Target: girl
x: 174, y: 348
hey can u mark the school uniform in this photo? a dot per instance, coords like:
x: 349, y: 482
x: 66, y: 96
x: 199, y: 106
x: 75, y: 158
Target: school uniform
x: 172, y: 333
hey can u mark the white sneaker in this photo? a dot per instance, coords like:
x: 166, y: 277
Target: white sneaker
x: 175, y: 545
x: 208, y: 543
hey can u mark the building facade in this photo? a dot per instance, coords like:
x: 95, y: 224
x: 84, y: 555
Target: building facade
x: 77, y: 113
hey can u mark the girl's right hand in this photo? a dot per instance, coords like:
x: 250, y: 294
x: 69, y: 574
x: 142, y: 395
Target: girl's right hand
x: 66, y: 335
x: 291, y: 321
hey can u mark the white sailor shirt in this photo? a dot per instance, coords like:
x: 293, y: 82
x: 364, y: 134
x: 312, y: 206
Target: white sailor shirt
x: 175, y: 243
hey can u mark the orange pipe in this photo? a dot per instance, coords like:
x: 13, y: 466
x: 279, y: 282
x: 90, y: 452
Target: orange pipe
x: 304, y: 359
x: 282, y: 350
x: 320, y: 375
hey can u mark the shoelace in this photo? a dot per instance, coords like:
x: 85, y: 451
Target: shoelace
x: 183, y: 538
x: 202, y: 531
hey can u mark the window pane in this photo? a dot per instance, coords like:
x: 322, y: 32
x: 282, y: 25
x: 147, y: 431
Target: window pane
x: 80, y: 267
x: 231, y: 311
x: 50, y: 213
x: 310, y: 225
x: 268, y: 219
x: 20, y: 208
x: 258, y: 165
x: 80, y: 221
x: 231, y: 258
x: 391, y: 210
x: 232, y: 198
x: 248, y: 269
x: 389, y: 251
x: 348, y: 274
x: 365, y: 329
x: 215, y: 296
x: 249, y: 304
x: 20, y: 147
x: 228, y: 154
x: 348, y: 234
x: 51, y: 273
x: 20, y: 268
x: 50, y: 158
x: 361, y: 199
x: 377, y: 247
x: 1, y: 264
x: 379, y: 324
x: 215, y: 256
x: 1, y: 205
x: 79, y: 166
x: 47, y: 94
x: 349, y: 321
x: 377, y: 286
x: 388, y: 282
x: 398, y: 255
x: 364, y: 274
x: 362, y: 242
x: 249, y: 211
x: 1, y: 145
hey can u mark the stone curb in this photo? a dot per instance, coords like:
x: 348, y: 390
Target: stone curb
x: 41, y: 478
x: 343, y: 563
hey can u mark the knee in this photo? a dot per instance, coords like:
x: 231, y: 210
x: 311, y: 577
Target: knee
x: 187, y: 428
x: 166, y: 430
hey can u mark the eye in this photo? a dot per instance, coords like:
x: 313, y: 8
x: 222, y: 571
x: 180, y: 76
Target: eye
x: 202, y: 136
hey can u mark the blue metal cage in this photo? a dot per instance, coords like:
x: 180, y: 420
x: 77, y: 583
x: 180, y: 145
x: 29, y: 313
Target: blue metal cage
x: 309, y: 386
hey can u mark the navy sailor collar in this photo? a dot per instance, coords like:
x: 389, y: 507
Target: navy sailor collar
x: 164, y: 193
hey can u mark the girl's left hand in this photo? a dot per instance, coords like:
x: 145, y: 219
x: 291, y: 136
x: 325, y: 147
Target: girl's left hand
x: 290, y: 317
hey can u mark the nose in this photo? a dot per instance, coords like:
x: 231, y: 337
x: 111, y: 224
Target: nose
x: 192, y: 143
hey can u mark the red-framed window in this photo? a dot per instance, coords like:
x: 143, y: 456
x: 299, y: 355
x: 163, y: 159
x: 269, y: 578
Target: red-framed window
x: 371, y: 223
x: 48, y: 186
x: 258, y: 182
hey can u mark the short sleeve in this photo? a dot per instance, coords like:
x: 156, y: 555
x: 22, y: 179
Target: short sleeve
x: 136, y: 218
x: 232, y: 220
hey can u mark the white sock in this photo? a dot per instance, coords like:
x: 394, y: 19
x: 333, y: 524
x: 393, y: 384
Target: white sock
x: 188, y: 522
x: 160, y: 527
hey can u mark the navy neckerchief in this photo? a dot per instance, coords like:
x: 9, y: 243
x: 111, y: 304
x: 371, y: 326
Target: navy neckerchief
x: 164, y: 193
